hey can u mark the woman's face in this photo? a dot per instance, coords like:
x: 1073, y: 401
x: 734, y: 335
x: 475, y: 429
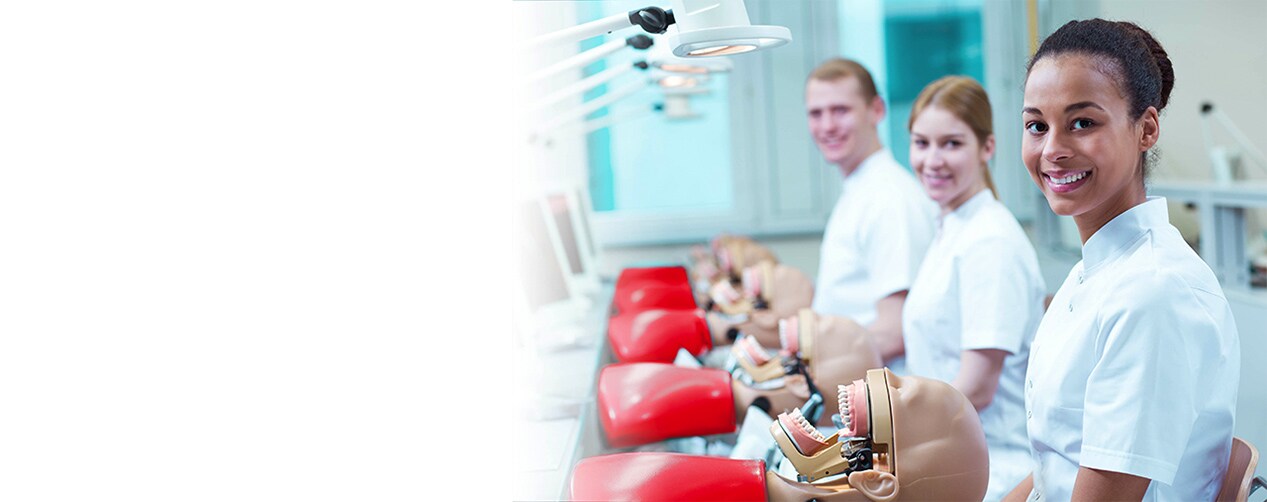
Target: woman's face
x: 947, y: 157
x: 1080, y: 145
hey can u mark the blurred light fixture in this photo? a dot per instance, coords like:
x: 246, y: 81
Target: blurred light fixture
x: 696, y: 28
x: 678, y: 81
x: 720, y: 28
x: 661, y: 57
x: 1226, y: 162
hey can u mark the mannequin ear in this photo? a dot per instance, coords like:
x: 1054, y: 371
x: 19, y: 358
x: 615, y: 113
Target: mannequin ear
x: 879, y: 486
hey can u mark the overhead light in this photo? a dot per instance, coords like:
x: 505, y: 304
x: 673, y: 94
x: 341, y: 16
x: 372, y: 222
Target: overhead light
x: 661, y: 57
x: 675, y: 81
x: 696, y: 28
x: 706, y: 28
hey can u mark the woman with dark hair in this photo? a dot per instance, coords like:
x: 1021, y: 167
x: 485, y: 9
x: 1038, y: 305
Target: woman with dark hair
x: 1132, y: 380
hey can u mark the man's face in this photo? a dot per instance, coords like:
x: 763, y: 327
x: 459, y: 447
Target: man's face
x: 841, y: 121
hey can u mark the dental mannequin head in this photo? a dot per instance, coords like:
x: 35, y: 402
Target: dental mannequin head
x: 836, y: 351
x: 725, y: 260
x: 952, y: 141
x: 767, y: 293
x: 938, y: 449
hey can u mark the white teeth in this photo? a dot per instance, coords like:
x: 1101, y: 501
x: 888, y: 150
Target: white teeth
x: 1069, y: 179
x: 805, y: 425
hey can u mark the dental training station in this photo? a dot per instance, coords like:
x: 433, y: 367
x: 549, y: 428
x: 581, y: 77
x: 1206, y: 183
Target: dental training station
x: 889, y: 250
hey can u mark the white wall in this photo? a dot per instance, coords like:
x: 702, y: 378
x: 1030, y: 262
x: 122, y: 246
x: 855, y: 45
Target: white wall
x: 1219, y: 52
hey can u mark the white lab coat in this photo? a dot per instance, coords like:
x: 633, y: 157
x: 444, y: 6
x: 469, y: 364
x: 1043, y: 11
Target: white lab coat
x: 1135, y: 366
x: 874, y: 242
x: 980, y: 288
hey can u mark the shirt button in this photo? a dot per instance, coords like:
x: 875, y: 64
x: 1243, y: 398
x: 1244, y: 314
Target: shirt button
x: 1031, y: 383
x: 1079, y: 277
x: 1071, y: 306
x: 1029, y: 414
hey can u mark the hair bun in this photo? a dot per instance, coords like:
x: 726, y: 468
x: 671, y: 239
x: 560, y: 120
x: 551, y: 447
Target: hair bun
x: 1160, y: 58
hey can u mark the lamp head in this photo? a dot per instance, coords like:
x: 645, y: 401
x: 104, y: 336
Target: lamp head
x: 663, y: 58
x: 706, y: 28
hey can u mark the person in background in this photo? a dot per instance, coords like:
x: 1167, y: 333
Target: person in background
x: 974, y: 306
x: 881, y: 225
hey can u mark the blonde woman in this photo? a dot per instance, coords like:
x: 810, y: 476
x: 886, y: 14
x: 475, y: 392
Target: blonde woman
x: 978, y: 297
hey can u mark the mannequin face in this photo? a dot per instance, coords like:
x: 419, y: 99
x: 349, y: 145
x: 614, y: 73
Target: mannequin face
x: 947, y: 157
x: 939, y: 451
x: 837, y: 351
x: 784, y: 291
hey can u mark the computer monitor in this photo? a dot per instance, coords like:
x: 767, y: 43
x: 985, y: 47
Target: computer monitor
x: 572, y: 227
x: 555, y: 310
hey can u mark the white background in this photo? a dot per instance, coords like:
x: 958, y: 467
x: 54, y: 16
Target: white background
x: 241, y: 252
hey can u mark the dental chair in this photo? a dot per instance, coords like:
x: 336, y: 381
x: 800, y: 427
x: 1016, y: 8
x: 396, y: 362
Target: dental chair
x: 768, y: 292
x: 900, y: 438
x: 649, y: 288
x: 641, y: 403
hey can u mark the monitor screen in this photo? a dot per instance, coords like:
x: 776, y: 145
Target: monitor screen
x: 540, y: 271
x: 562, y: 212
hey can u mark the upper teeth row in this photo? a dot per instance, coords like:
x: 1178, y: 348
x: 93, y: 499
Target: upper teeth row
x: 842, y: 393
x: 1069, y: 179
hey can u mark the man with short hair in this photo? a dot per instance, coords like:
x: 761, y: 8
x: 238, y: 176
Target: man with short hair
x: 883, y: 222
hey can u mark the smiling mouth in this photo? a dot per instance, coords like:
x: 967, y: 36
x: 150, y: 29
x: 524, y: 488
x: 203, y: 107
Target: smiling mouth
x: 1067, y: 183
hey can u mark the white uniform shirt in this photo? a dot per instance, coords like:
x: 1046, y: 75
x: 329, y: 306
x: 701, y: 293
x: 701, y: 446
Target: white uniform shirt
x: 1135, y: 366
x: 874, y: 241
x: 980, y: 288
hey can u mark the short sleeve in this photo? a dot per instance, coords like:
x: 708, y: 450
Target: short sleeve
x: 1143, y: 393
x: 996, y: 287
x: 895, y: 242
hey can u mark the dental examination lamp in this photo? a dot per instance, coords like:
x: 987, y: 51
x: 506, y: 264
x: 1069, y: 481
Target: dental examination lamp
x: 1223, y: 160
x: 639, y: 42
x: 660, y: 57
x: 695, y: 28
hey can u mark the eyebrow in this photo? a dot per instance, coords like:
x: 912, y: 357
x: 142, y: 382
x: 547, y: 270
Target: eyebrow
x: 1076, y: 106
x: 1083, y: 104
x: 944, y: 136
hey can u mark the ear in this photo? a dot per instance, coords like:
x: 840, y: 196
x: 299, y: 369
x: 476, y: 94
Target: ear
x: 877, y: 109
x: 1151, y: 128
x: 987, y: 149
x: 879, y: 486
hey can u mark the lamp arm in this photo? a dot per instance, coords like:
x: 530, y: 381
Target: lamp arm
x: 650, y: 19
